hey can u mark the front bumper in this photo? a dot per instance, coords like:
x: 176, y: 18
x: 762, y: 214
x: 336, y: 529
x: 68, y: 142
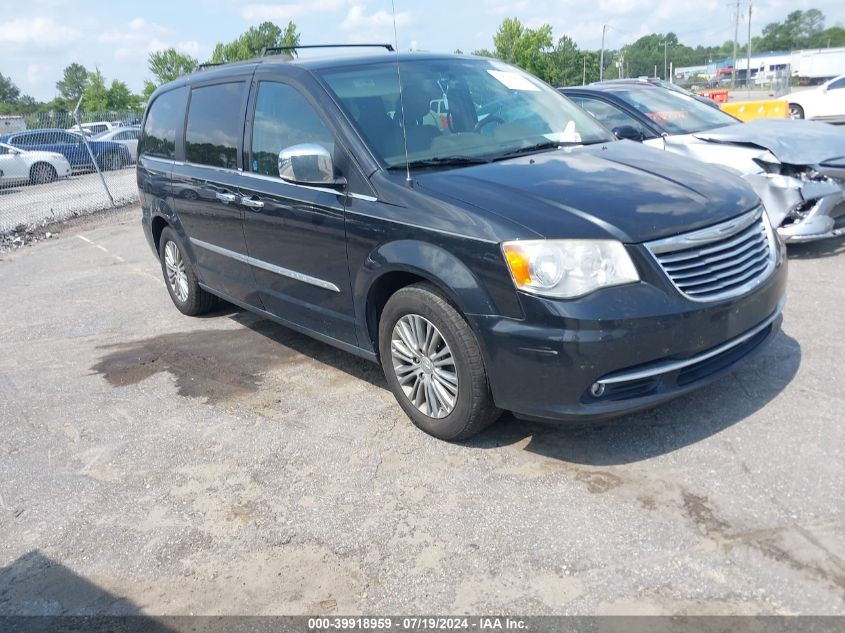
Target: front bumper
x: 803, y: 211
x: 565, y: 361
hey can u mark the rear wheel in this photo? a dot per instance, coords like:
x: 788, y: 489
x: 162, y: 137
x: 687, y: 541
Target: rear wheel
x: 433, y: 364
x: 796, y: 111
x: 110, y: 162
x: 180, y: 278
x: 42, y: 173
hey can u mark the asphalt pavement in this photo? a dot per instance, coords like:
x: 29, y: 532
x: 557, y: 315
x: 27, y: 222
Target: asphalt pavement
x: 160, y: 464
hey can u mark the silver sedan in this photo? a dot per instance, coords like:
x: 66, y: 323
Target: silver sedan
x: 796, y: 167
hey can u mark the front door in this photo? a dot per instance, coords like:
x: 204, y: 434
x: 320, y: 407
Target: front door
x: 295, y: 234
x: 13, y: 167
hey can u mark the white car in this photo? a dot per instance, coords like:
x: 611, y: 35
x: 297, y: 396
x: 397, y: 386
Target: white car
x: 95, y: 127
x: 823, y: 103
x: 127, y: 136
x: 18, y: 166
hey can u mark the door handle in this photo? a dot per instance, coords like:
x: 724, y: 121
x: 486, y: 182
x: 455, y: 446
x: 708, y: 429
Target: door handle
x: 226, y: 197
x: 251, y: 203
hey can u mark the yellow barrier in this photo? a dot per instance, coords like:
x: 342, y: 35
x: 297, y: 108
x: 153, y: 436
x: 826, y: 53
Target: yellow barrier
x: 764, y: 109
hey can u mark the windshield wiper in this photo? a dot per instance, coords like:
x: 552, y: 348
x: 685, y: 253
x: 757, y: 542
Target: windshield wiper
x: 443, y: 161
x: 530, y: 149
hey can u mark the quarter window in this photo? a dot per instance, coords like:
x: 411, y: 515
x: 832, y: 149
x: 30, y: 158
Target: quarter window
x: 837, y: 85
x: 283, y: 117
x: 163, y: 119
x: 215, y: 125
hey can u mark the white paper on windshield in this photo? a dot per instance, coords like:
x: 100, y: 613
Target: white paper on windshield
x: 513, y: 81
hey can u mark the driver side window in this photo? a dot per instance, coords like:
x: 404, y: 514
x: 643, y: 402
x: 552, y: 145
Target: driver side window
x: 609, y: 115
x: 283, y: 117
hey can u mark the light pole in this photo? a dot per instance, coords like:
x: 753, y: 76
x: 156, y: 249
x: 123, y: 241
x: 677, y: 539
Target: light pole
x: 601, y: 57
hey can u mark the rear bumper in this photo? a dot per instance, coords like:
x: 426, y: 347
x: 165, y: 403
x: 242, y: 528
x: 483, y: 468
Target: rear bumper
x: 564, y: 361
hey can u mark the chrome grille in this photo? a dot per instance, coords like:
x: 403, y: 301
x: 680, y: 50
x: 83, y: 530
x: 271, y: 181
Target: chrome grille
x: 720, y: 261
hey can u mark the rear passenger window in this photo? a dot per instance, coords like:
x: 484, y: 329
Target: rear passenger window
x: 283, y: 117
x: 164, y: 118
x: 214, y: 125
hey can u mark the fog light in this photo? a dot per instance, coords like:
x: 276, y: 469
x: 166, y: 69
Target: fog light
x: 597, y: 390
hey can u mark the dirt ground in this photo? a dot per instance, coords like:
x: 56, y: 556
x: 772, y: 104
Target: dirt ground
x: 154, y: 463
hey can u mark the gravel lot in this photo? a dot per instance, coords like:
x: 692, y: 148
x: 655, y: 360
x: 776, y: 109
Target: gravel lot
x: 80, y: 194
x: 161, y: 464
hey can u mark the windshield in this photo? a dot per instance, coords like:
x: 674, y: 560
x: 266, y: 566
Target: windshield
x: 457, y: 110
x: 673, y: 112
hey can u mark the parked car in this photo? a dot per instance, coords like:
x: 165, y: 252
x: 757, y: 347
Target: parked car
x: 126, y: 136
x: 95, y: 127
x: 796, y: 167
x: 18, y: 166
x: 822, y: 103
x: 659, y: 83
x: 526, y: 262
x: 71, y: 145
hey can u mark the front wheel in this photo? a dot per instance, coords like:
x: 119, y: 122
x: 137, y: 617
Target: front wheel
x: 433, y: 364
x: 42, y: 173
x: 796, y: 111
x: 180, y: 278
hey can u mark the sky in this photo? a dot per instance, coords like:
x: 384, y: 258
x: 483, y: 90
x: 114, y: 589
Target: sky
x: 38, y: 38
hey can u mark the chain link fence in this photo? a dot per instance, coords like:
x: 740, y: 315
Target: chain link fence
x: 55, y: 166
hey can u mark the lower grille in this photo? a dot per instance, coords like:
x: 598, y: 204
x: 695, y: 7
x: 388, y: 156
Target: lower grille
x: 721, y: 261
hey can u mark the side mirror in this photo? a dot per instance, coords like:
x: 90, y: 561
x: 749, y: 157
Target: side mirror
x: 308, y: 164
x: 628, y: 132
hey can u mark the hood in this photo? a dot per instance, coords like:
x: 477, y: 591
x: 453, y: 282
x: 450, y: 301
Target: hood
x: 621, y: 189
x: 794, y: 142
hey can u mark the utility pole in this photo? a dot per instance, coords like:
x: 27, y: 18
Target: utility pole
x: 748, y: 67
x: 736, y: 38
x: 584, y: 76
x: 665, y: 43
x: 601, y: 58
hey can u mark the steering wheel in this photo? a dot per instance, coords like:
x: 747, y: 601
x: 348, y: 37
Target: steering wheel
x: 492, y: 118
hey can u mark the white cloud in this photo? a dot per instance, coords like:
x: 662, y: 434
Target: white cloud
x: 374, y: 22
x: 35, y: 72
x: 38, y: 32
x: 289, y: 10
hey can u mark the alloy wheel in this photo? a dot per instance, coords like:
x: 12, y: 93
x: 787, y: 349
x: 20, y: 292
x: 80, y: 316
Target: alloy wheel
x: 176, y: 275
x: 424, y: 366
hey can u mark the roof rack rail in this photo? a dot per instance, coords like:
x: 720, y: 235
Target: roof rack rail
x: 209, y: 65
x: 277, y: 49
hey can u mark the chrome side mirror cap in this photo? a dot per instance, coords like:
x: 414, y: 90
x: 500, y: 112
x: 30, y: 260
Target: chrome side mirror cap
x: 308, y: 164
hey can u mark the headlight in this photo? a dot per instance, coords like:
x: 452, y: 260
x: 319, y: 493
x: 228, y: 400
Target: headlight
x: 568, y: 268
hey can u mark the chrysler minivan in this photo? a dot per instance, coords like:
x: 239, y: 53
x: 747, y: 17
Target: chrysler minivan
x: 517, y: 258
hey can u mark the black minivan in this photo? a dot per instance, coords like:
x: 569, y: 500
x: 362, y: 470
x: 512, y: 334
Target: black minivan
x: 484, y: 239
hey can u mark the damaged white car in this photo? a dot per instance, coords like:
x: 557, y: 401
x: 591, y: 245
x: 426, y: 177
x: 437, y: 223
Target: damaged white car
x: 796, y: 167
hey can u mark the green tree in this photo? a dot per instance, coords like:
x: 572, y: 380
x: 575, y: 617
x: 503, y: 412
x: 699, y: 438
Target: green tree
x: 73, y: 83
x: 149, y: 89
x: 797, y: 31
x: 250, y: 43
x: 119, y: 97
x: 170, y: 64
x: 9, y: 92
x: 832, y: 37
x: 95, y: 97
x: 527, y: 48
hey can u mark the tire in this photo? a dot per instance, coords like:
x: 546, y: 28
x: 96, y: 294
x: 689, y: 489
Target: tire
x: 42, y: 173
x: 184, y: 289
x: 472, y: 406
x: 111, y: 162
x: 796, y: 111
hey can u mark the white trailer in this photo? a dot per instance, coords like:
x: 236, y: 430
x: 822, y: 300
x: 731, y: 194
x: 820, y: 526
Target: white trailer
x: 11, y: 123
x: 819, y: 63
